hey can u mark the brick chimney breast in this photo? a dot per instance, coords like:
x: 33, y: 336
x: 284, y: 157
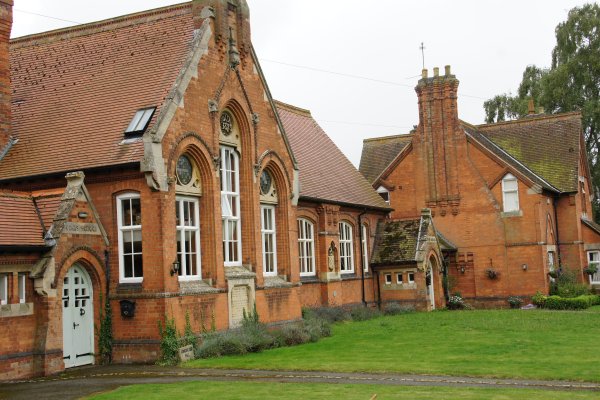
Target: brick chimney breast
x: 438, y: 134
x: 5, y: 89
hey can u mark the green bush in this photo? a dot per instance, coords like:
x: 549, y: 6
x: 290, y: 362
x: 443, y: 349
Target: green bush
x: 293, y: 334
x: 456, y: 302
x: 222, y: 344
x: 539, y: 299
x: 567, y: 285
x: 169, y: 342
x: 363, y: 313
x: 329, y: 314
x: 317, y: 328
x: 394, y: 308
x: 571, y: 303
x: 189, y: 337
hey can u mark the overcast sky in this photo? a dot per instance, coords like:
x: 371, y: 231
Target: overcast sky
x: 315, y: 53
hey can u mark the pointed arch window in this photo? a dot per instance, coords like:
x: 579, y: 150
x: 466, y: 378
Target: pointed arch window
x: 230, y: 206
x: 510, y: 193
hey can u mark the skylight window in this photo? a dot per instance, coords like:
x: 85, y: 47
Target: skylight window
x: 140, y: 120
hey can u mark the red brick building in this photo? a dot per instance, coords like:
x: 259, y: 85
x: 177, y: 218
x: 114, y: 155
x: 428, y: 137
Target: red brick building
x: 189, y: 190
x: 511, y: 200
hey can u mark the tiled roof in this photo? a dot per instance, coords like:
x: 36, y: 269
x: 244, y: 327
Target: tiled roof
x: 47, y: 203
x: 20, y: 224
x: 591, y: 224
x: 325, y: 172
x: 548, y: 145
x: 396, y: 242
x: 75, y: 90
x: 506, y: 157
x: 378, y: 153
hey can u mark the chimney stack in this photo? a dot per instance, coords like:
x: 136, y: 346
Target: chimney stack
x: 439, y: 133
x: 5, y: 89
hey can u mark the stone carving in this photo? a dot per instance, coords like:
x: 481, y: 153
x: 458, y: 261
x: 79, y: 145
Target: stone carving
x: 331, y: 258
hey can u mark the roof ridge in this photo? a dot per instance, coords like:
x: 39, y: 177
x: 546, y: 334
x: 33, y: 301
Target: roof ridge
x: 526, y: 119
x: 388, y: 137
x: 291, y: 108
x: 84, y: 29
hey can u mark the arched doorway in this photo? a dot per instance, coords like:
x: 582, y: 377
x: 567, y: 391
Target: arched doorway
x: 429, y: 275
x: 78, y: 317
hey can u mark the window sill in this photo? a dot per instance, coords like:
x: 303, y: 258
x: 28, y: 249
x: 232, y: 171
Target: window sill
x: 348, y: 276
x: 16, y: 310
x: 510, y: 214
x: 309, y: 279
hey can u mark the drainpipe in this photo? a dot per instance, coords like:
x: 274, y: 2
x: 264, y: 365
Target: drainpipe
x: 378, y: 290
x: 362, y: 256
x: 107, y: 264
x: 554, y: 201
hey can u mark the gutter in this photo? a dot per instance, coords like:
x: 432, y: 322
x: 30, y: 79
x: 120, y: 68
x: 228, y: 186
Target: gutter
x: 341, y: 203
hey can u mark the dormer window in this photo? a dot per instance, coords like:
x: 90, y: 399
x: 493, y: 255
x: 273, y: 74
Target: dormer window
x: 384, y: 193
x: 140, y: 120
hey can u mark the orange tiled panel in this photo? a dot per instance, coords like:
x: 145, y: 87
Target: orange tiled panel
x: 19, y: 222
x: 76, y: 90
x: 325, y: 172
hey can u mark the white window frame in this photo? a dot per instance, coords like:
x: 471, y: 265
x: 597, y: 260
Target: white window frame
x: 508, y: 192
x: 365, y: 247
x: 3, y: 289
x: 410, y: 278
x: 22, y: 279
x: 230, y: 202
x: 346, y: 248
x: 129, y: 228
x: 306, y: 247
x: 267, y: 218
x: 399, y: 278
x: 596, y: 277
x: 387, y: 278
x: 182, y: 229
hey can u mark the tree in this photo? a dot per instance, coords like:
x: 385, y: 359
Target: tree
x: 571, y: 84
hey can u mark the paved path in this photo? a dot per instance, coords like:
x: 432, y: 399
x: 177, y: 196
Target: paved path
x: 84, y: 381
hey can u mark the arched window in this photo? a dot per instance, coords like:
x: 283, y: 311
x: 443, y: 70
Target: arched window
x: 230, y: 206
x: 306, y: 247
x: 269, y: 242
x: 510, y: 193
x: 346, y: 248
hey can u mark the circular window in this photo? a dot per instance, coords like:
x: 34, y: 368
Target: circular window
x: 184, y: 170
x: 265, y: 182
x: 226, y: 123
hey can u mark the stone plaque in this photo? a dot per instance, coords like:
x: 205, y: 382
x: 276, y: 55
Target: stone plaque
x: 81, y: 228
x: 186, y: 353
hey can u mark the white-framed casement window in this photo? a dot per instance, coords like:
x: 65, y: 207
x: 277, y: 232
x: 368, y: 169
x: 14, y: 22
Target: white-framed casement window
x: 411, y: 277
x: 22, y: 287
x: 388, y: 279
x: 230, y: 206
x: 129, y: 221
x: 346, y: 248
x: 510, y: 193
x: 187, y: 216
x: 594, y: 260
x: 306, y: 247
x: 399, y: 278
x: 365, y: 247
x: 3, y: 289
x: 269, y: 242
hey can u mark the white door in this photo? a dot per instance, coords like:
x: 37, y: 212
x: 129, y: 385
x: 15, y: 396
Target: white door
x: 78, y: 318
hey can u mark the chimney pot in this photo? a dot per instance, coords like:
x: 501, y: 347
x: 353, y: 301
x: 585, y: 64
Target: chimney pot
x: 447, y: 70
x: 436, y: 71
x: 424, y: 73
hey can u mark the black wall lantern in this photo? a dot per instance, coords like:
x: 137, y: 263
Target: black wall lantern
x: 127, y: 308
x: 175, y: 269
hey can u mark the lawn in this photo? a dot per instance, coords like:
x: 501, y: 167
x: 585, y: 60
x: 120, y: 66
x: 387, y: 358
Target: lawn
x: 282, y: 391
x: 534, y: 344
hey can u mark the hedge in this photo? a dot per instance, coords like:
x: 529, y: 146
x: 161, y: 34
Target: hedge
x: 561, y: 303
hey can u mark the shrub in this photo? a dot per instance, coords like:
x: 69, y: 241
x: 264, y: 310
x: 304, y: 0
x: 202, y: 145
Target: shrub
x: 567, y: 285
x: 189, y: 337
x: 169, y: 342
x: 329, y: 314
x: 292, y: 335
x: 256, y: 337
x: 397, y: 309
x: 222, y: 344
x: 515, y: 301
x: 539, y: 299
x: 104, y: 332
x: 317, y: 328
x: 363, y: 313
x: 571, y: 303
x: 455, y: 302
